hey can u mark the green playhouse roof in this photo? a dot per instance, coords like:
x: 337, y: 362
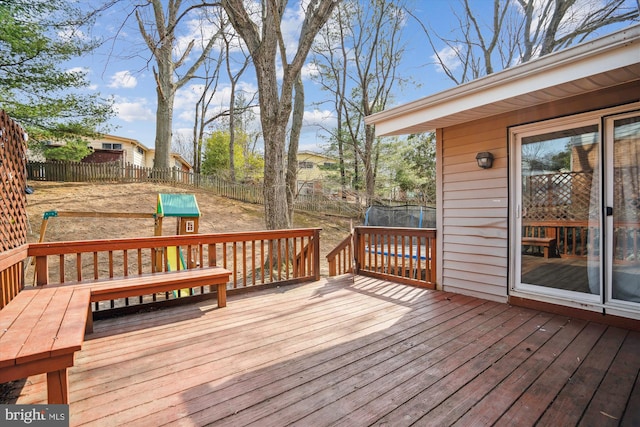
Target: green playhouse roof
x: 178, y: 205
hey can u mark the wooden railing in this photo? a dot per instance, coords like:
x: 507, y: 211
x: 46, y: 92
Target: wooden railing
x: 260, y: 258
x: 12, y: 273
x: 578, y: 238
x: 340, y: 258
x: 404, y: 255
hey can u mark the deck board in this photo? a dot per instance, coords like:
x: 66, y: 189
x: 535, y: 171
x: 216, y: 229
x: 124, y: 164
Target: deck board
x: 339, y: 352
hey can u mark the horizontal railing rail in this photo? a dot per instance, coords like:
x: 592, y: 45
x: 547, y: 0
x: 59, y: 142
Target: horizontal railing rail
x: 404, y: 255
x: 255, y: 259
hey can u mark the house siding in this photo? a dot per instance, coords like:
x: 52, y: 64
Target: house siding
x: 474, y: 211
x: 474, y: 202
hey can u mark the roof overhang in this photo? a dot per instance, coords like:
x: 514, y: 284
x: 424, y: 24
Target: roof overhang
x: 598, y: 64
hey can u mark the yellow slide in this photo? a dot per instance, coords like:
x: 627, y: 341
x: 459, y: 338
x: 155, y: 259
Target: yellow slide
x: 172, y: 251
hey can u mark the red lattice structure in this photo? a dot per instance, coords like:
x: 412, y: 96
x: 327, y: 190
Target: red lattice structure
x: 13, y: 214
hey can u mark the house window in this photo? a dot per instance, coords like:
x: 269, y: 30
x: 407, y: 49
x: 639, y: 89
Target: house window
x: 305, y: 165
x: 110, y: 146
x: 139, y: 150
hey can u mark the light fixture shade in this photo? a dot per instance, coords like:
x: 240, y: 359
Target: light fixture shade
x: 484, y: 159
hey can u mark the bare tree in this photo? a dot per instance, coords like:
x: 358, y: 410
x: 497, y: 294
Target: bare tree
x: 160, y: 36
x: 263, y: 36
x: 202, y: 116
x: 362, y: 78
x: 234, y: 75
x: 520, y: 30
x: 331, y: 56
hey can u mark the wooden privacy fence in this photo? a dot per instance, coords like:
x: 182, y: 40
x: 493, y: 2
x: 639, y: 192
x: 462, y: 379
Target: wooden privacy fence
x: 118, y: 172
x: 257, y: 258
x: 404, y: 255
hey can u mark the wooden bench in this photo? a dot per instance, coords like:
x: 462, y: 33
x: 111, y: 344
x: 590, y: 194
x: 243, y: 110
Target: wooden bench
x: 108, y: 289
x: 41, y: 331
x: 548, y: 244
x: 43, y: 327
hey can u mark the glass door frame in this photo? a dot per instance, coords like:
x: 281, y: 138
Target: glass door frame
x: 604, y: 302
x: 614, y: 306
x: 581, y: 300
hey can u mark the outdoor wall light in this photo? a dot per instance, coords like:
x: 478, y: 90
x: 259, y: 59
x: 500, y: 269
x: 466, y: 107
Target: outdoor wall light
x: 484, y: 159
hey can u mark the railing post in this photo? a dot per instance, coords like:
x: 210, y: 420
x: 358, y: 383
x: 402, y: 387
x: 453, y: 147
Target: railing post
x: 356, y: 250
x: 42, y: 270
x: 316, y: 254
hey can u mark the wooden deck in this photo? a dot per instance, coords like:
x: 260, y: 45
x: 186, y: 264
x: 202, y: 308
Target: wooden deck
x: 335, y: 352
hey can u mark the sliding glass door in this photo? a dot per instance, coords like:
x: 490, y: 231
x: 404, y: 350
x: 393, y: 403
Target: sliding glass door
x: 623, y: 197
x: 576, y: 234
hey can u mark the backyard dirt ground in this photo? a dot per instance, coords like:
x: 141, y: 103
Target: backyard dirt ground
x: 218, y: 214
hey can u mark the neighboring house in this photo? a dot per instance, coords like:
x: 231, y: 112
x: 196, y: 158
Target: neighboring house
x: 313, y: 169
x: 526, y: 231
x: 117, y: 148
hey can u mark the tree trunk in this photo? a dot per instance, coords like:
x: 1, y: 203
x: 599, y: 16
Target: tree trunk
x: 164, y: 121
x: 275, y: 197
x: 294, y: 142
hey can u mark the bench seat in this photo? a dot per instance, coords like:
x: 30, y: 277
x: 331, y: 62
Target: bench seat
x: 43, y: 327
x: 41, y: 331
x: 548, y: 244
x: 108, y: 289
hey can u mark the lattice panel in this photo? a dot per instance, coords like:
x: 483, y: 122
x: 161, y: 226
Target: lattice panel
x: 558, y: 196
x: 565, y: 196
x: 13, y: 214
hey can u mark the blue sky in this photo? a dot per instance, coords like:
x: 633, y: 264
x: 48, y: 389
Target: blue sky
x: 122, y: 69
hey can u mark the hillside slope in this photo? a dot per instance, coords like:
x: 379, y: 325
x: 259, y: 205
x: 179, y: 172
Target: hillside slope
x: 218, y: 214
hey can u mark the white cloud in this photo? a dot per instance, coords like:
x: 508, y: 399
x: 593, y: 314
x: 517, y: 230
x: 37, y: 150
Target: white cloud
x: 449, y: 57
x: 186, y: 98
x: 123, y: 80
x: 309, y: 71
x: 133, y: 110
x: 321, y: 118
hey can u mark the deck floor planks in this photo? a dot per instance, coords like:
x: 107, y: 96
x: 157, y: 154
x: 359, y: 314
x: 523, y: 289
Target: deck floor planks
x: 273, y: 351
x: 473, y: 378
x: 463, y: 399
x: 582, y: 375
x: 607, y: 407
x: 632, y: 413
x: 361, y: 353
x: 491, y: 406
x: 562, y: 382
x: 397, y: 386
x: 314, y: 394
x: 246, y: 392
x: 196, y: 369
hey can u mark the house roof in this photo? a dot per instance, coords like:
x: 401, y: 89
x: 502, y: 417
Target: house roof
x: 598, y: 64
x: 307, y: 153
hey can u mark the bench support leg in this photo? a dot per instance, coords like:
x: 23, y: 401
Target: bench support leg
x: 89, y: 326
x: 222, y: 295
x: 58, y: 387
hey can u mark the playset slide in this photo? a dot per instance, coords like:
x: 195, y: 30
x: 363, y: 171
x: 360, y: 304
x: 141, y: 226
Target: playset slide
x: 171, y: 266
